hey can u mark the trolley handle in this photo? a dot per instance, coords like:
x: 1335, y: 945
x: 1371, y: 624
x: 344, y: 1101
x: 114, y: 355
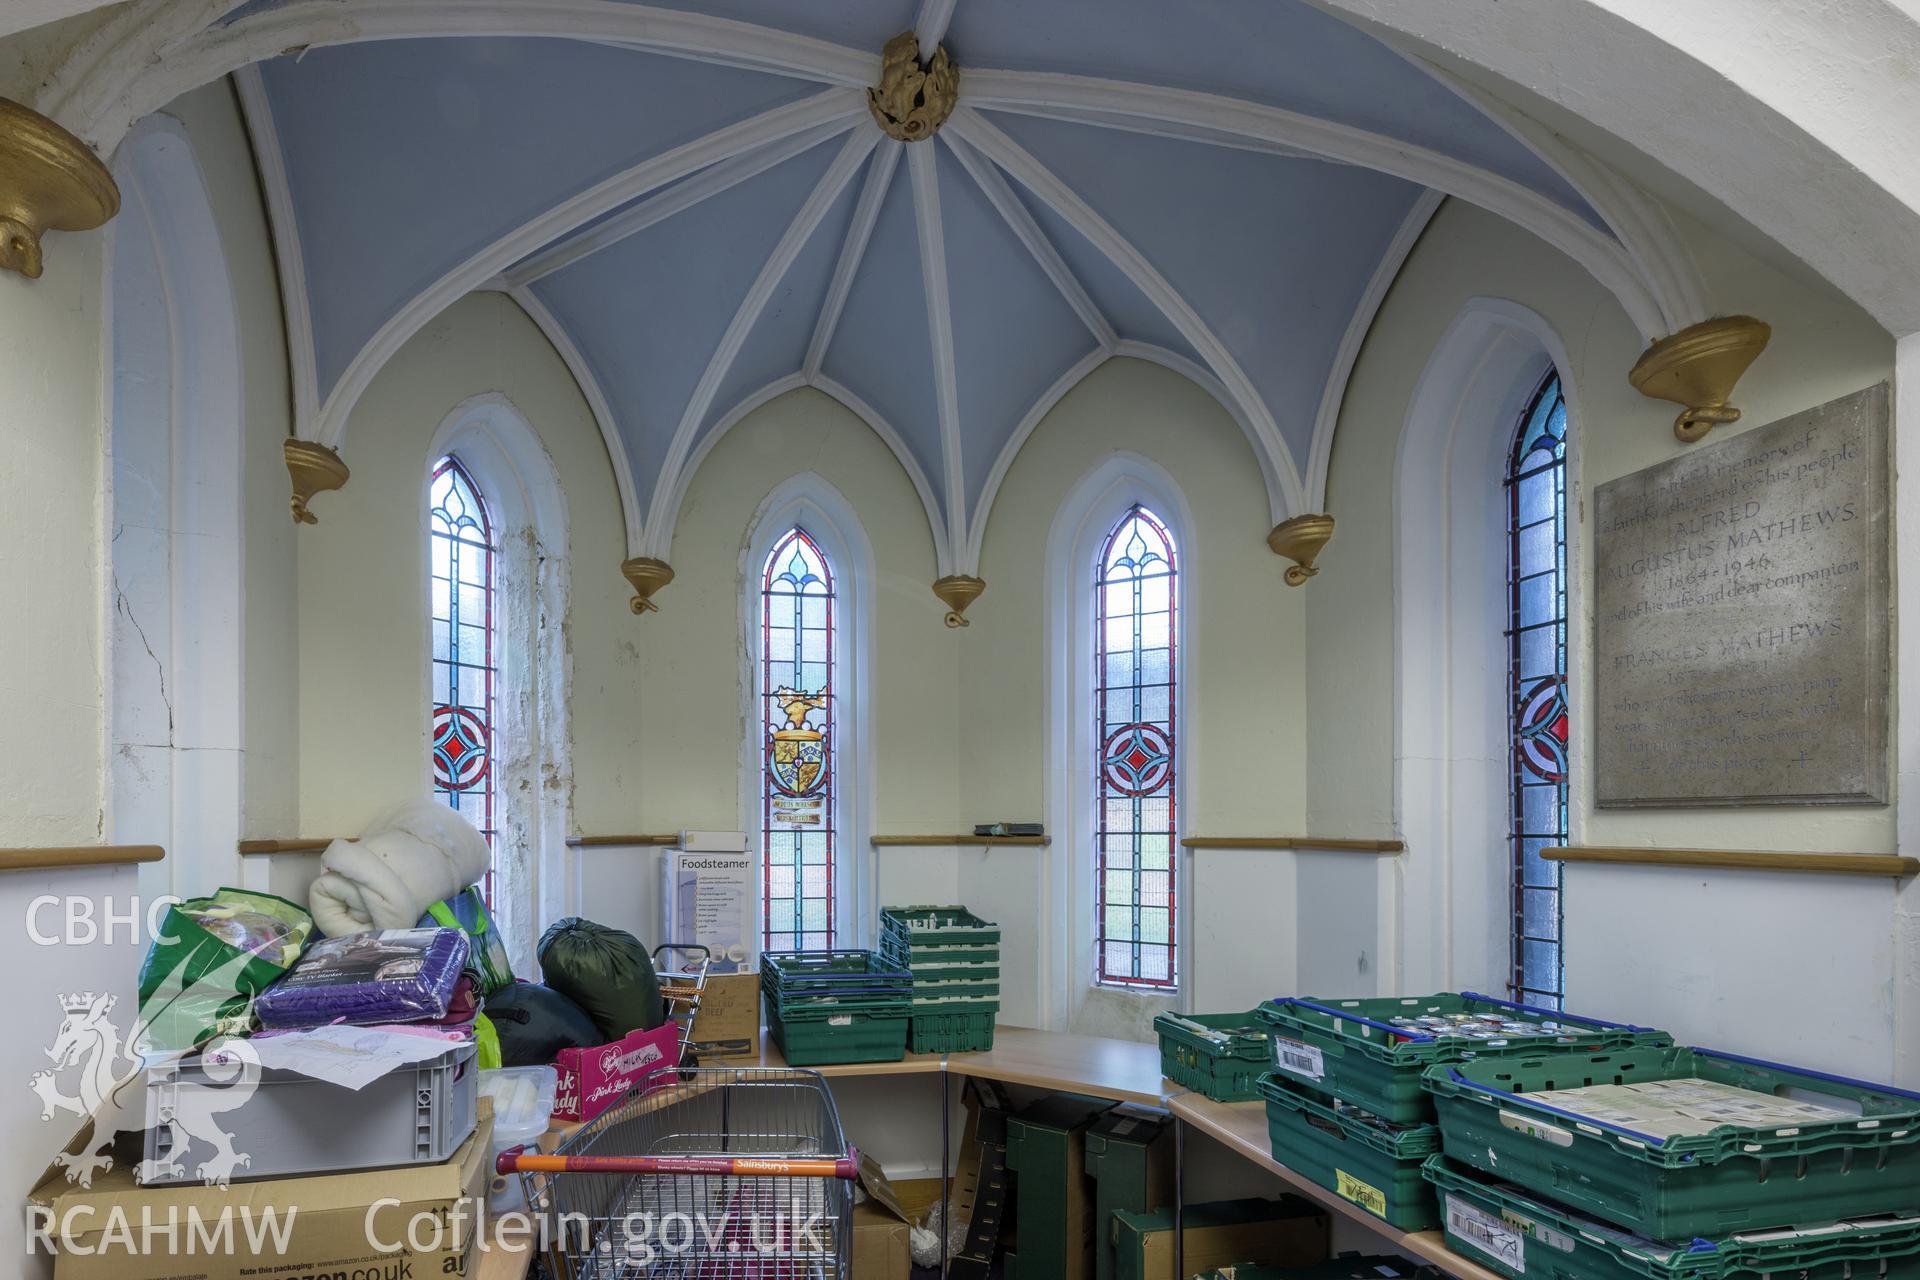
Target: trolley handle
x: 520, y: 1160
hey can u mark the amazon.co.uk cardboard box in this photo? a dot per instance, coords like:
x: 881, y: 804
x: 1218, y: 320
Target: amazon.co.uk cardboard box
x: 273, y: 1229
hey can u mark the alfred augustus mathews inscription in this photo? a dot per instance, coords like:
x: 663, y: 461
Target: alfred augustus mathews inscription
x: 1741, y: 618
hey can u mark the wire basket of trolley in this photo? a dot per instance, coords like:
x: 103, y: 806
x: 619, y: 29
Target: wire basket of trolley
x: 716, y: 1174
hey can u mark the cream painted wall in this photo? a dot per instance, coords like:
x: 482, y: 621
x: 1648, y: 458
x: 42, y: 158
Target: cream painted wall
x: 1708, y: 955
x: 362, y: 572
x: 272, y: 640
x: 1244, y: 741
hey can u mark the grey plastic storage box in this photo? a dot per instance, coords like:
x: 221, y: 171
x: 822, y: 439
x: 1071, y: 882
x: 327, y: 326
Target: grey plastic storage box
x: 292, y: 1125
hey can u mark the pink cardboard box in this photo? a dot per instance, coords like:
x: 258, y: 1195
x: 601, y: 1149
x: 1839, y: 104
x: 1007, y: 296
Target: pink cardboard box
x: 591, y: 1080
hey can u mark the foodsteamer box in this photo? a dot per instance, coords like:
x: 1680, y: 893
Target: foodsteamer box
x: 272, y: 1229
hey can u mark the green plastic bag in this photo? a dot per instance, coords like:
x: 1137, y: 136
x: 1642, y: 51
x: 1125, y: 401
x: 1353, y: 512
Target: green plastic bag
x: 486, y: 952
x: 211, y: 957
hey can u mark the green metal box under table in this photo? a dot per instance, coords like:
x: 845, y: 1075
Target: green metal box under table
x: 1218, y: 1054
x: 1741, y: 1144
x: 1516, y: 1234
x: 1052, y: 1195
x: 1130, y: 1159
x: 1357, y: 1156
x: 1286, y: 1232
x: 1371, y: 1052
x: 1348, y: 1266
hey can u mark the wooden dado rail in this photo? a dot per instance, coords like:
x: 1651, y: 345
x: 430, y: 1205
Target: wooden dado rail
x: 1322, y: 843
x: 260, y: 848
x: 78, y: 855
x: 888, y: 842
x: 1844, y: 864
x: 589, y: 842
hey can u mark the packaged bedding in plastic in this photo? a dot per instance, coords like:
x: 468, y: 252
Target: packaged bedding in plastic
x: 209, y: 960
x: 393, y: 975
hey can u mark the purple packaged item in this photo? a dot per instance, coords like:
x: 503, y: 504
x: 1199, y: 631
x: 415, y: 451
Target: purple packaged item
x: 395, y: 975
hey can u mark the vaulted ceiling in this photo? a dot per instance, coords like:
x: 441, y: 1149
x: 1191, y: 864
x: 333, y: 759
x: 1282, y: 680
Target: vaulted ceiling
x: 696, y: 204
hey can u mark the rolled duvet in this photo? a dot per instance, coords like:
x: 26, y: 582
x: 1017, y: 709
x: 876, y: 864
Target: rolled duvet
x: 394, y: 975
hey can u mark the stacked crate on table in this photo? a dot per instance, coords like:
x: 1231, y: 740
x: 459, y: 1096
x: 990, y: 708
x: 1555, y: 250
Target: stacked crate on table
x: 954, y: 957
x: 828, y: 1007
x: 1675, y: 1164
x: 1221, y: 1055
x: 1345, y: 1100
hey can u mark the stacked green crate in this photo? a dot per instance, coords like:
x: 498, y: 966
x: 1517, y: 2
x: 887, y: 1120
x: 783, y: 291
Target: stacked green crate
x: 828, y: 1007
x: 1516, y: 1233
x: 1372, y: 1052
x: 1221, y: 1055
x: 1678, y: 1144
x: 1355, y: 1154
x: 954, y: 957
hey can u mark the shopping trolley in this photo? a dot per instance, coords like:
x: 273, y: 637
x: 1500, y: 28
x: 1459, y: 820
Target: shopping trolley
x: 683, y: 967
x: 717, y: 1174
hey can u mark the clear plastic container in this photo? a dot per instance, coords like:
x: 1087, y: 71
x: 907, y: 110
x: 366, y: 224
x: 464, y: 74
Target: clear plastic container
x: 522, y: 1109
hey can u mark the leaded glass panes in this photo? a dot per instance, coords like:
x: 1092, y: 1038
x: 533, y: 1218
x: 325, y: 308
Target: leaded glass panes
x: 464, y: 671
x: 1136, y: 638
x: 797, y: 704
x: 1536, y: 488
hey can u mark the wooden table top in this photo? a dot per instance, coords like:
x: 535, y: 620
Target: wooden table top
x: 1124, y: 1070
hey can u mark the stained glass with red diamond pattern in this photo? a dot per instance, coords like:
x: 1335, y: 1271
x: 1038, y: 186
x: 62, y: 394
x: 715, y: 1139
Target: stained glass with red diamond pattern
x: 798, y: 830
x: 1136, y: 638
x: 460, y: 566
x: 1536, y: 490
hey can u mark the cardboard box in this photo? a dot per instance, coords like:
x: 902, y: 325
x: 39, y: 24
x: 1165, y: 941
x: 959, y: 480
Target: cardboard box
x: 727, y: 1028
x: 273, y: 1229
x: 1130, y: 1159
x: 880, y: 1229
x: 1225, y: 1233
x: 591, y: 1080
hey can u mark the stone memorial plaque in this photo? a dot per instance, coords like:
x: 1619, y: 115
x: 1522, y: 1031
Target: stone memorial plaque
x: 1740, y: 600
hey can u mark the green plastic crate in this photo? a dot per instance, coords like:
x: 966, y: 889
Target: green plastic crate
x: 830, y: 1037
x: 1517, y: 1235
x: 951, y: 1032
x: 1356, y: 1156
x: 984, y: 968
x: 1668, y: 1187
x: 1221, y: 1055
x: 1350, y: 1049
x: 938, y: 927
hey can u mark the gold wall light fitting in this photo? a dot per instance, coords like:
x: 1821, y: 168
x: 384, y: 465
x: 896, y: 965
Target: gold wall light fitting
x: 1697, y: 369
x: 313, y: 468
x: 913, y: 100
x: 1300, y: 540
x: 957, y: 591
x: 49, y: 181
x: 647, y: 575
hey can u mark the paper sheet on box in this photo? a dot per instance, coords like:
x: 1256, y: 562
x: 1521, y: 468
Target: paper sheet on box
x: 353, y: 1057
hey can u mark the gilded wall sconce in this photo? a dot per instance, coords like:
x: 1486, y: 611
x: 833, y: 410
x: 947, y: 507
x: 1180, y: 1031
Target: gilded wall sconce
x: 1697, y: 369
x: 314, y: 468
x: 957, y: 591
x: 49, y: 181
x: 647, y: 575
x: 1300, y: 540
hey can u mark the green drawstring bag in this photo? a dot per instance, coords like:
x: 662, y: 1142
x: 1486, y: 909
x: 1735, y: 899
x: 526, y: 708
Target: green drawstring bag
x: 211, y: 957
x: 486, y: 952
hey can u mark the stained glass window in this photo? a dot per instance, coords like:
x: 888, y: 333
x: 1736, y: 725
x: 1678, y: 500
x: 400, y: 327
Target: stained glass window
x: 797, y: 700
x: 1536, y: 489
x: 465, y: 672
x: 1136, y: 633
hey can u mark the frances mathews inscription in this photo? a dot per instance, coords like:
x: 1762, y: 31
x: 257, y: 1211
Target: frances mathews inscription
x: 1740, y: 644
